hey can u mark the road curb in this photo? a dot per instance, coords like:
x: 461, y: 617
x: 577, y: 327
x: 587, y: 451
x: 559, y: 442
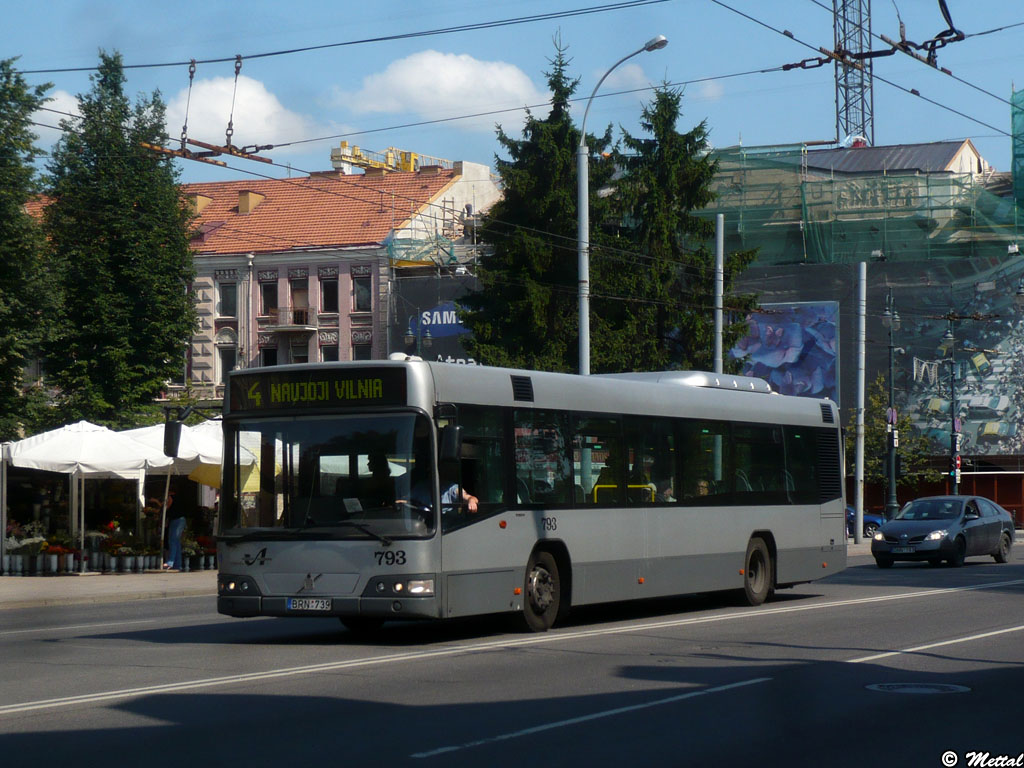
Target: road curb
x: 48, y: 602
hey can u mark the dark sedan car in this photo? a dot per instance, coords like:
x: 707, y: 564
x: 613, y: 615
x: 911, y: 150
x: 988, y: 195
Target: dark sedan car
x: 872, y: 522
x: 937, y: 528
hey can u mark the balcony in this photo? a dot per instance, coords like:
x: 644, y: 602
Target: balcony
x: 289, y: 320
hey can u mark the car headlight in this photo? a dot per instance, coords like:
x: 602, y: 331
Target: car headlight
x: 936, y: 535
x: 879, y: 536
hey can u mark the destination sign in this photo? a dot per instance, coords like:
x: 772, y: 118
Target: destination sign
x: 321, y: 388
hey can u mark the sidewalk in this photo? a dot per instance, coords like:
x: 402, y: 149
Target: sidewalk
x: 75, y: 589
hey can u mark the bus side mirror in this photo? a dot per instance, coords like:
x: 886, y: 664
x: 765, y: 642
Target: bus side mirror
x: 172, y: 438
x: 451, y: 444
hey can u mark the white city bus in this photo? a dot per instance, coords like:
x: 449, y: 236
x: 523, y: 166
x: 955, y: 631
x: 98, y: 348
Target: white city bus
x: 347, y: 486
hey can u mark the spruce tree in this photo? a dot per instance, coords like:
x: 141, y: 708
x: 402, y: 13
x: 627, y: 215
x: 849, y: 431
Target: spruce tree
x: 526, y: 313
x: 24, y: 294
x: 120, y: 239
x: 658, y: 309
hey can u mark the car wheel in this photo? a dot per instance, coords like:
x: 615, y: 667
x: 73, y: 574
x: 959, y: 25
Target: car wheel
x: 959, y: 552
x: 543, y: 591
x: 1002, y: 554
x: 869, y: 530
x: 883, y: 562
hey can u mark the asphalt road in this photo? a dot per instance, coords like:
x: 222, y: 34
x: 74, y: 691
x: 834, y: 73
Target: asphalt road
x: 692, y: 681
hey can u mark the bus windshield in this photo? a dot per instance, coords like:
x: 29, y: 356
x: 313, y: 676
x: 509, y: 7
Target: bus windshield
x: 344, y: 476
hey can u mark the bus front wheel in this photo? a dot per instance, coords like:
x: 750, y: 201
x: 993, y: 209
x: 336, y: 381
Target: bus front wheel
x: 543, y: 590
x: 757, y: 572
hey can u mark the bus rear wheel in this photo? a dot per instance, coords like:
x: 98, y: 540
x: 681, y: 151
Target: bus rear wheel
x: 543, y: 592
x: 757, y: 573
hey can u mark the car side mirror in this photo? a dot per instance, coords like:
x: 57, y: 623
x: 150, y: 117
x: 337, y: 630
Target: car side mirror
x: 968, y: 516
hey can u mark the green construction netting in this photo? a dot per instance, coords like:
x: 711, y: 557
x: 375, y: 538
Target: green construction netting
x: 794, y: 213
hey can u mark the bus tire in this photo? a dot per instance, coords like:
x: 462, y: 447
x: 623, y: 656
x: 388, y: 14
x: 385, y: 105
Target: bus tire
x: 757, y: 572
x: 542, y: 592
x: 361, y: 625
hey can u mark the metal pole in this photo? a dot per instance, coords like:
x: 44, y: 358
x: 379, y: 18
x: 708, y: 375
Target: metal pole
x: 583, y: 211
x: 583, y: 246
x: 953, y: 408
x: 891, y: 503
x: 862, y: 303
x: 719, y: 287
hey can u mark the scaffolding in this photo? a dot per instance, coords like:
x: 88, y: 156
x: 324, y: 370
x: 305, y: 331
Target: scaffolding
x: 775, y: 199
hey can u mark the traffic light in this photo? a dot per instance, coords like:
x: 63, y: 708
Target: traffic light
x: 954, y: 465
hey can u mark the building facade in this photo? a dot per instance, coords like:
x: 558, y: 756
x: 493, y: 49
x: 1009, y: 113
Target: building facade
x: 301, y: 270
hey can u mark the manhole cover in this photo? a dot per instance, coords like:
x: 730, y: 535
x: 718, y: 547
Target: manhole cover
x: 918, y: 688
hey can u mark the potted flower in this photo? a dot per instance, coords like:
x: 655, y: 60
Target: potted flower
x: 190, y: 552
x: 208, y: 545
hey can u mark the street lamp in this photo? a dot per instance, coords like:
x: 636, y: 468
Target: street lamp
x: 891, y: 320
x: 419, y: 336
x: 583, y: 209
x: 954, y: 433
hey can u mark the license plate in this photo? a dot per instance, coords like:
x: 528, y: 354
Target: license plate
x: 902, y: 550
x: 309, y: 604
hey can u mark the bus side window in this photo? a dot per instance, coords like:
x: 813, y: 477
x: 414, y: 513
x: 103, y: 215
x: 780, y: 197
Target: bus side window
x: 482, y: 458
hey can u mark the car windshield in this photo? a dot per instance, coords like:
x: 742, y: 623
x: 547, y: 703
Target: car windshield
x: 931, y: 509
x: 346, y: 476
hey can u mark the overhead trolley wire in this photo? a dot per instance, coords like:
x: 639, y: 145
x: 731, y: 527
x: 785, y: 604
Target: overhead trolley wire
x: 910, y: 91
x: 627, y: 4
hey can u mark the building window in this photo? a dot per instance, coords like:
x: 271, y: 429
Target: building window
x: 227, y: 359
x: 268, y: 356
x: 329, y: 295
x: 329, y: 354
x: 227, y: 304
x: 300, y: 300
x: 362, y: 352
x: 361, y: 294
x: 300, y: 353
x: 268, y: 299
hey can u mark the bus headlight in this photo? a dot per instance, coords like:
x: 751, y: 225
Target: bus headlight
x: 421, y: 587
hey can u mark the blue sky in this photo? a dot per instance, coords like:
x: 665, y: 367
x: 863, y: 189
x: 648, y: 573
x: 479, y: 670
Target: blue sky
x: 381, y: 94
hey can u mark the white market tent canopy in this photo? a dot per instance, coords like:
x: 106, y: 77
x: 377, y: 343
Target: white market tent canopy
x: 81, y: 450
x: 87, y: 450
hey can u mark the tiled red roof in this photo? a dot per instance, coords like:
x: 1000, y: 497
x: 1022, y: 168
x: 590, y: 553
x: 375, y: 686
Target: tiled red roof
x: 311, y: 211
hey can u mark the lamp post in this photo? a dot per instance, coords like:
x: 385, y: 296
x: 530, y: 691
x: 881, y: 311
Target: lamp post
x: 583, y: 209
x: 954, y: 434
x: 891, y: 320
x: 419, y: 336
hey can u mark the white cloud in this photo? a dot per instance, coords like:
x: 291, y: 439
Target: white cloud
x: 259, y: 117
x: 711, y: 90
x: 437, y: 85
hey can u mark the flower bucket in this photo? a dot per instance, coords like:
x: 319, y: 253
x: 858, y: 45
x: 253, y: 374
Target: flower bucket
x: 51, y: 563
x: 5, y: 566
x: 39, y: 564
x: 69, y: 562
x: 94, y: 561
x: 17, y: 565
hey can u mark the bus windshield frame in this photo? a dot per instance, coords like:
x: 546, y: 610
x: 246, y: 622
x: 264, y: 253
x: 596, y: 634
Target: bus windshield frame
x: 329, y: 476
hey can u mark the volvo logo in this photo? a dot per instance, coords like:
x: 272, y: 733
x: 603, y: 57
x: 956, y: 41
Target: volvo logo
x: 258, y: 559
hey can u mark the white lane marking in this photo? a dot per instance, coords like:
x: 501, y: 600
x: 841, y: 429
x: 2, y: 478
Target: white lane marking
x: 587, y: 718
x: 549, y: 637
x: 929, y: 646
x: 76, y: 626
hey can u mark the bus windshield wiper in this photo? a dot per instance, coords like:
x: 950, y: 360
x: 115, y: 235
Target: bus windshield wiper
x: 365, y: 529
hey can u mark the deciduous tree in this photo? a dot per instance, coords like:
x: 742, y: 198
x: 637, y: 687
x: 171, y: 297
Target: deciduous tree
x: 24, y: 294
x: 120, y: 237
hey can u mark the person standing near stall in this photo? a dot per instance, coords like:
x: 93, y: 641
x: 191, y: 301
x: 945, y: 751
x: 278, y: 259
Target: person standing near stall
x: 175, y: 527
